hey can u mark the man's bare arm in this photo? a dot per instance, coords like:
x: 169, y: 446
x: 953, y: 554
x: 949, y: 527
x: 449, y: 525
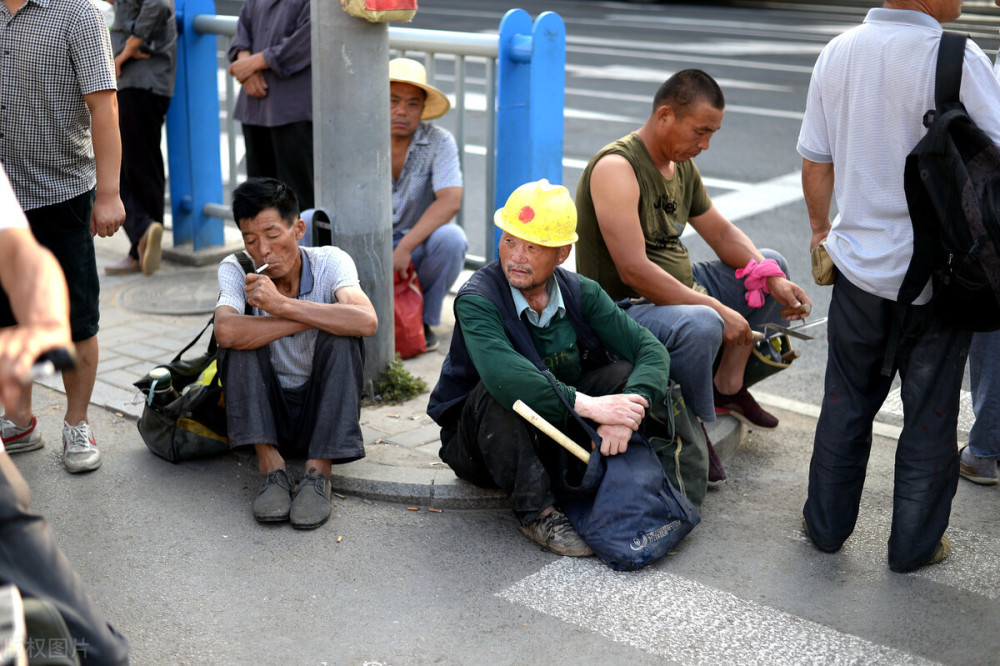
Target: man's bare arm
x: 40, y: 305
x: 817, y: 187
x: 108, y: 213
x: 352, y: 315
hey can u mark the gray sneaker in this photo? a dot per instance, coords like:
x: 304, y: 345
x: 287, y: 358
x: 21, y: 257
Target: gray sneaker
x: 274, y: 498
x: 978, y: 470
x: 80, y: 452
x: 18, y: 440
x: 311, y: 503
x: 554, y: 532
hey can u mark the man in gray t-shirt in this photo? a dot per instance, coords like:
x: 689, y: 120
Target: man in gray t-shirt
x: 291, y: 355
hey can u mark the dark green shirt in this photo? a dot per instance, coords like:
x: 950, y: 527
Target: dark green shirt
x: 508, y: 376
x: 665, y: 205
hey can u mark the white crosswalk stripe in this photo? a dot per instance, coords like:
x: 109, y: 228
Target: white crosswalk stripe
x: 685, y: 621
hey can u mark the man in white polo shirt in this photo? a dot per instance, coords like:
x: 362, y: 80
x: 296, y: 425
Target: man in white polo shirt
x: 870, y: 89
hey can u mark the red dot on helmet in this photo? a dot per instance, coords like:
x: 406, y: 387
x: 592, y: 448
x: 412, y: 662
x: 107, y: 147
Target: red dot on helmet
x: 527, y: 214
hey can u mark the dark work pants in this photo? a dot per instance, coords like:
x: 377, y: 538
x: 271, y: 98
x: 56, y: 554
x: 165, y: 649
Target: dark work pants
x: 494, y: 447
x: 930, y: 358
x: 140, y: 120
x: 319, y: 420
x: 30, y: 559
x: 284, y: 152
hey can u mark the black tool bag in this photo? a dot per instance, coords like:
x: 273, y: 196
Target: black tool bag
x: 194, y: 424
x: 952, y: 183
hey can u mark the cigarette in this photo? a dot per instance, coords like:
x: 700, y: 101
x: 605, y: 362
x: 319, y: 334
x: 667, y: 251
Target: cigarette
x: 262, y: 268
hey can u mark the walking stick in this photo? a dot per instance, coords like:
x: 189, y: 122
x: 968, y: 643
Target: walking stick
x: 532, y: 417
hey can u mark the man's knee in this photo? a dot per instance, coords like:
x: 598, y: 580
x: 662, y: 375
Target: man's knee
x: 448, y: 240
x: 684, y: 326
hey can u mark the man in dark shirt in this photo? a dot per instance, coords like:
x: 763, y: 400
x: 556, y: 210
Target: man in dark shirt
x: 271, y: 56
x: 517, y: 319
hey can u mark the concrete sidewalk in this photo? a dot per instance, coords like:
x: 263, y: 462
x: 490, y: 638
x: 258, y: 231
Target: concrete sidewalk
x: 145, y: 321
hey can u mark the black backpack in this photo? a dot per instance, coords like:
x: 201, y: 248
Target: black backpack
x: 952, y: 184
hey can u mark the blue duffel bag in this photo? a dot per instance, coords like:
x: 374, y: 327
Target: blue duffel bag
x: 623, y: 506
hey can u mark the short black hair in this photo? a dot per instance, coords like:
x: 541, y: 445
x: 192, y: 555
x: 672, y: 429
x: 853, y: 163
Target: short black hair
x: 259, y: 194
x: 685, y: 89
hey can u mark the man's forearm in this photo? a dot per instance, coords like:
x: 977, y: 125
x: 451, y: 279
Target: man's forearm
x: 817, y: 187
x: 439, y: 213
x: 107, y: 141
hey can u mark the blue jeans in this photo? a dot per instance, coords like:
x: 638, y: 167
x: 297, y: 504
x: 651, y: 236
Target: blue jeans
x: 438, y: 261
x: 863, y: 359
x: 984, y: 373
x: 693, y: 333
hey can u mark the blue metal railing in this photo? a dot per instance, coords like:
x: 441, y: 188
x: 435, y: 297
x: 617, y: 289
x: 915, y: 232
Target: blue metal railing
x: 525, y: 82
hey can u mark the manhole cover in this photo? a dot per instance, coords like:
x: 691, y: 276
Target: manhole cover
x: 194, y: 293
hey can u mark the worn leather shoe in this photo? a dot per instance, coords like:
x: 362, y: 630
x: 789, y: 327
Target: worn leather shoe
x: 274, y: 499
x: 150, y: 250
x: 311, y: 503
x: 743, y: 406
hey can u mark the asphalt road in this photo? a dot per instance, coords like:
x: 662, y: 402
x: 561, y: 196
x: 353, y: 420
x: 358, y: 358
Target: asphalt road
x: 174, y: 558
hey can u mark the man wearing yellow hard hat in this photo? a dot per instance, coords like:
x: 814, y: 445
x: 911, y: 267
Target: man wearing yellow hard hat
x: 426, y: 188
x: 516, y: 317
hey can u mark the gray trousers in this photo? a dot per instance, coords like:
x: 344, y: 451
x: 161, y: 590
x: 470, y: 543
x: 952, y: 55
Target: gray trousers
x: 319, y: 420
x: 30, y: 559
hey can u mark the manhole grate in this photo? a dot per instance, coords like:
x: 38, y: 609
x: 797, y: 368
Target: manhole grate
x: 194, y: 293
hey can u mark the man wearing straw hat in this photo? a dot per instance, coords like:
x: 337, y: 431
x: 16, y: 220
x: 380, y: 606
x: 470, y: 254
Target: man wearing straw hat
x: 517, y: 319
x: 426, y: 189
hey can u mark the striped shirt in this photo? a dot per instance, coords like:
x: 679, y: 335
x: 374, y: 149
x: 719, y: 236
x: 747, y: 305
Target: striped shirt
x: 324, y: 270
x: 431, y: 165
x: 869, y: 91
x: 52, y: 54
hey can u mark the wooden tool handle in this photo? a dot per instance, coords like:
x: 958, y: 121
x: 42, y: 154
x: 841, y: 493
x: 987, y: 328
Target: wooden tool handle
x: 532, y: 417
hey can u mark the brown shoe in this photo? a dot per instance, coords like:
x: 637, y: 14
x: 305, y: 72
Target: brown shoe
x: 150, y: 251
x: 123, y: 266
x: 554, y: 532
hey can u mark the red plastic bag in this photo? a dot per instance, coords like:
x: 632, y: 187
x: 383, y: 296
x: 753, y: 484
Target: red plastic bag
x: 408, y: 305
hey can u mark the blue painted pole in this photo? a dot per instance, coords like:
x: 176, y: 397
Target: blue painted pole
x: 548, y: 97
x: 531, y: 96
x: 193, y: 149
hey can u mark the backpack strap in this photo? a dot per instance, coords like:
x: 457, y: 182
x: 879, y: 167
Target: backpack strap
x: 948, y: 77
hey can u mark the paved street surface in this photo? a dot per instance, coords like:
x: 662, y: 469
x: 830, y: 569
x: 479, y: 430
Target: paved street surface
x: 172, y: 554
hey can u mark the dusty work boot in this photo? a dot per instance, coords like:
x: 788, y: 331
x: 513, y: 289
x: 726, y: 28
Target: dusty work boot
x: 18, y: 440
x: 554, y: 532
x: 311, y: 503
x: 274, y: 499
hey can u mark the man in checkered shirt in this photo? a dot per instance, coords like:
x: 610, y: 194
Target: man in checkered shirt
x: 426, y: 189
x: 60, y: 145
x: 292, y: 364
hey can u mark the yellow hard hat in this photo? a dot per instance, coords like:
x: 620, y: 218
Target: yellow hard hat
x: 539, y: 213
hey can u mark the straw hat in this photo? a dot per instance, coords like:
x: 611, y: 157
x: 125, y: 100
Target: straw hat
x: 404, y: 70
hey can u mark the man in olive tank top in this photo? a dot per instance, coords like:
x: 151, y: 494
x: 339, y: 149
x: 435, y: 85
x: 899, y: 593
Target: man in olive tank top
x: 634, y: 199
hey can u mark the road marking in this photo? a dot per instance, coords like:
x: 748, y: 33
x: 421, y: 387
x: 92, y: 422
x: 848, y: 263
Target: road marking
x: 729, y: 47
x: 658, y: 75
x: 687, y: 622
x: 973, y: 566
